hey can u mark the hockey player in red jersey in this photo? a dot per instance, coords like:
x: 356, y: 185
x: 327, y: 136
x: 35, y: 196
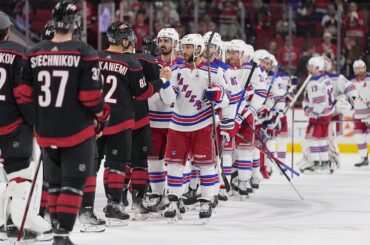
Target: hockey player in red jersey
x: 16, y: 141
x: 61, y: 79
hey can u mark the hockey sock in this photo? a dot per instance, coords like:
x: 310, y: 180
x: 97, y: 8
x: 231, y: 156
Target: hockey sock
x: 157, y: 176
x: 186, y: 177
x: 115, y: 182
x: 361, y: 145
x: 256, y: 162
x: 194, y: 180
x: 44, y: 199
x: 139, y: 180
x: 69, y: 201
x: 227, y: 165
x: 89, y: 190
x: 324, y: 150
x: 281, y: 148
x: 208, y: 179
x: 53, y: 194
x: 174, y: 179
x: 314, y: 149
x: 243, y: 162
x: 105, y: 180
x: 128, y: 171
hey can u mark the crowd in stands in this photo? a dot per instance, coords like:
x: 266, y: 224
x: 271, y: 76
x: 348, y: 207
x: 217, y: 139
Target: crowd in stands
x: 262, y: 23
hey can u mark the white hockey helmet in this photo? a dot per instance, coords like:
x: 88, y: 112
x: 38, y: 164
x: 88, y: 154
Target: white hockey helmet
x: 275, y: 63
x: 236, y: 45
x: 216, y: 39
x: 170, y: 33
x: 194, y: 39
x: 317, y: 62
x: 248, y: 52
x: 260, y: 55
x: 358, y: 64
x: 328, y: 63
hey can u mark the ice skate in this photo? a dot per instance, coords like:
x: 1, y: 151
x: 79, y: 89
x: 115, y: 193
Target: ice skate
x: 325, y: 167
x: 89, y: 221
x: 243, y: 189
x: 363, y: 163
x: 172, y: 212
x: 256, y: 180
x: 45, y: 236
x: 222, y: 195
x: 140, y: 211
x: 205, y: 211
x: 310, y: 167
x: 61, y: 237
x: 12, y: 233
x: 214, y: 202
x: 115, y: 215
x: 190, y: 197
x: 155, y: 202
x: 3, y: 235
x: 182, y: 206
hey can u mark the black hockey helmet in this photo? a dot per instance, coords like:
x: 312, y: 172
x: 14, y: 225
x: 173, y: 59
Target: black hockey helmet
x: 47, y: 32
x: 117, y: 31
x: 78, y: 34
x: 65, y: 15
x: 149, y: 45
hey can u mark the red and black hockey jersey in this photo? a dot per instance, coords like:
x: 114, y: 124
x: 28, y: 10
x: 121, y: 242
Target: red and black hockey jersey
x: 123, y: 80
x: 151, y: 72
x: 62, y: 80
x: 11, y: 55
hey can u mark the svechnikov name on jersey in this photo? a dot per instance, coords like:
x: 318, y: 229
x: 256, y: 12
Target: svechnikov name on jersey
x: 64, y: 60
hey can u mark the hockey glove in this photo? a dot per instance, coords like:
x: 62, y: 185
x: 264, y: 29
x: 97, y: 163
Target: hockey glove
x: 215, y: 93
x: 225, y: 126
x: 102, y: 121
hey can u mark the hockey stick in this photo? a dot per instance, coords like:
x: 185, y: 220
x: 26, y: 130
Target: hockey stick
x: 276, y: 161
x: 20, y: 233
x: 214, y: 127
x: 291, y: 104
x: 271, y: 84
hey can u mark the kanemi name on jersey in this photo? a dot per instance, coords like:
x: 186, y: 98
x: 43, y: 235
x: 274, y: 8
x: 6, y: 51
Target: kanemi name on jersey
x: 187, y: 122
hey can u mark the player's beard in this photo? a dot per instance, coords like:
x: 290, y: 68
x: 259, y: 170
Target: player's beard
x: 163, y: 51
x: 189, y: 59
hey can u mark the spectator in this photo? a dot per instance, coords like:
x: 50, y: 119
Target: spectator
x: 330, y: 21
x: 282, y: 26
x: 262, y: 15
x: 206, y: 24
x: 273, y: 48
x: 354, y: 23
x: 308, y: 51
x: 306, y: 18
x: 288, y: 54
x: 327, y: 47
x: 228, y: 18
x: 186, y: 11
x: 140, y: 28
x: 351, y: 52
x: 167, y: 15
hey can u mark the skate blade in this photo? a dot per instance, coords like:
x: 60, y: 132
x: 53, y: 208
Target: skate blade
x: 243, y: 197
x: 3, y: 237
x: 205, y: 221
x: 171, y: 221
x: 22, y: 242
x: 117, y: 222
x: 139, y: 216
x: 92, y: 228
x: 44, y: 237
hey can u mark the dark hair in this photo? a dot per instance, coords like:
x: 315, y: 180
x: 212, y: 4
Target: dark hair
x: 307, y: 46
x: 3, y: 33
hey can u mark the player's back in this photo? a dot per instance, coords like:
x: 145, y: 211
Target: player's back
x: 115, y: 69
x: 66, y: 81
x: 11, y: 55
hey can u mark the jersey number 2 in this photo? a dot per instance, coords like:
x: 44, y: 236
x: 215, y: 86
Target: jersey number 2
x: 2, y: 82
x: 113, y: 81
x: 45, y: 78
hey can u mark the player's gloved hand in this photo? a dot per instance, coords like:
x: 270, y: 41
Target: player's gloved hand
x: 294, y: 80
x: 366, y: 121
x: 215, y: 93
x: 101, y: 121
x: 307, y: 111
x: 165, y: 73
x: 263, y: 113
x: 225, y: 126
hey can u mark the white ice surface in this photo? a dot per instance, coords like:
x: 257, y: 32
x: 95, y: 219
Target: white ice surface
x: 336, y: 210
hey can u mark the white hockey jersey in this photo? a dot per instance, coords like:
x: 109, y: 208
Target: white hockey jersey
x: 319, y: 97
x: 278, y: 92
x: 257, y: 86
x: 362, y: 105
x: 342, y: 86
x: 190, y: 112
x: 160, y: 112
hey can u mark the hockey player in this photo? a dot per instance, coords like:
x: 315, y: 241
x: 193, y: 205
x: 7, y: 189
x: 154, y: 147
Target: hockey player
x: 190, y: 129
x: 247, y: 112
x: 362, y: 109
x: 160, y: 115
x: 318, y: 105
x: 61, y: 79
x: 16, y: 140
x: 123, y: 81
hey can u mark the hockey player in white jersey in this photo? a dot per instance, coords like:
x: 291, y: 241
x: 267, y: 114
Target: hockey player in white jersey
x: 318, y: 105
x: 247, y: 111
x: 362, y: 110
x: 190, y: 129
x: 160, y: 114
